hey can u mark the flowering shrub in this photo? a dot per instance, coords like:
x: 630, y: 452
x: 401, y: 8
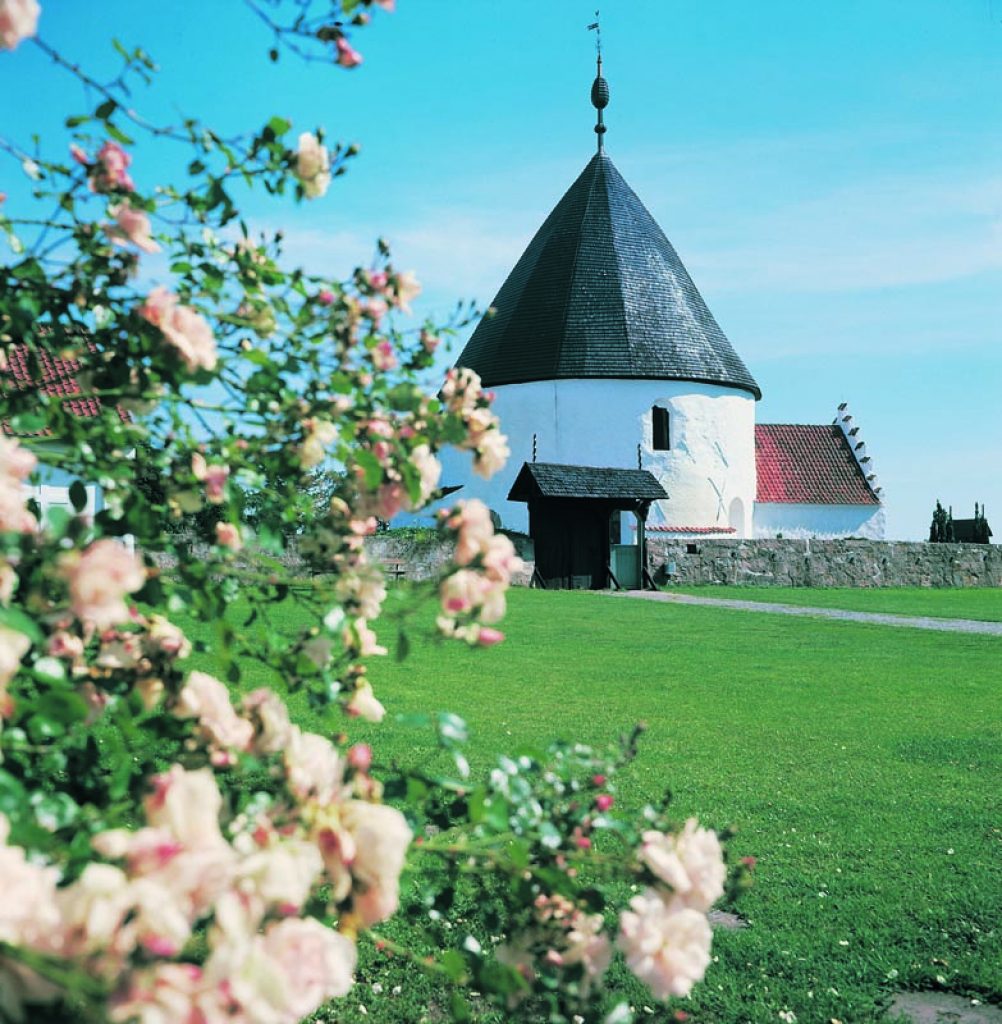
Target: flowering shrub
x: 172, y: 847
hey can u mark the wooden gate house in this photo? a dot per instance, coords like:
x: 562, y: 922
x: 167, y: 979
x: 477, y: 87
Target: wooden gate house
x: 570, y: 509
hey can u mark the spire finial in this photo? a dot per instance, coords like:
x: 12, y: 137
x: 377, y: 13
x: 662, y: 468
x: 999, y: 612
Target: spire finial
x: 600, y: 87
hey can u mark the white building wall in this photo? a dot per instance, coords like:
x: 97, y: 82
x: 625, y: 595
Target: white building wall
x: 709, y: 471
x: 824, y: 522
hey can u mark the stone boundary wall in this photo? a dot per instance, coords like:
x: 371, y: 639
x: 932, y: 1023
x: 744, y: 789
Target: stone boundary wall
x: 424, y: 558
x: 824, y: 563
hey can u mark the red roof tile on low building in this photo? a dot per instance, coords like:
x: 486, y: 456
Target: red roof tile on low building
x: 691, y: 529
x: 810, y: 464
x: 58, y: 377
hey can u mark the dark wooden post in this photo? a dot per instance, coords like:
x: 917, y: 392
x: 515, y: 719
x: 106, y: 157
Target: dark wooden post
x: 642, y: 509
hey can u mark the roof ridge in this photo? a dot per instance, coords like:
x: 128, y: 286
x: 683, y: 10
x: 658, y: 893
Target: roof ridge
x: 597, y: 158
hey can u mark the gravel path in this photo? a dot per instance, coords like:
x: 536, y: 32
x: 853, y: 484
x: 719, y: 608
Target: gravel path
x: 874, y: 618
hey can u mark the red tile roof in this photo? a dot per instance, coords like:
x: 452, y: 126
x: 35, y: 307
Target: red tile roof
x: 691, y: 529
x: 808, y: 464
x: 58, y: 377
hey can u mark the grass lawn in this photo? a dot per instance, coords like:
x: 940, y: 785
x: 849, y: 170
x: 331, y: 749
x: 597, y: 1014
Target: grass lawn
x: 861, y: 764
x: 984, y: 604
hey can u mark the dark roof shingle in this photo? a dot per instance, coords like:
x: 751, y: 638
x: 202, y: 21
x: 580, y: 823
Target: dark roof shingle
x: 550, y: 480
x: 601, y: 292
x: 809, y: 464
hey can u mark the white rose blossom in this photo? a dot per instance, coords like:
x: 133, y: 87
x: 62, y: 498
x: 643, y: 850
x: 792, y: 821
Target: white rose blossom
x: 666, y: 943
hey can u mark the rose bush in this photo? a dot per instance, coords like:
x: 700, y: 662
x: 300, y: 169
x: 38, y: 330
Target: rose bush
x: 173, y: 847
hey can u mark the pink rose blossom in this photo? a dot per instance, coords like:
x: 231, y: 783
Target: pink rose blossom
x: 93, y: 909
x: 491, y: 454
x: 286, y: 974
x: 8, y: 582
x: 429, y: 470
x: 313, y: 768
x: 186, y: 804
x: 488, y: 637
x: 360, y: 757
x: 390, y: 499
x: 603, y: 802
x: 282, y: 874
x: 18, y: 20
x: 28, y: 912
x: 587, y: 945
x: 270, y: 717
x: 320, y: 434
x: 472, y: 519
x: 358, y: 636
x: 692, y: 863
x: 374, y: 310
x: 363, y: 704
x: 207, y: 699
x: 313, y: 166
x: 346, y: 56
x: 666, y: 944
x: 499, y: 559
x: 387, y: 5
x: 380, y: 838
x: 110, y: 170
x: 407, y: 288
x: 228, y: 536
x: 185, y: 329
x: 461, y: 390
x: 462, y: 592
x: 100, y: 578
x: 16, y: 465
x: 13, y: 647
x: 166, y: 993
x: 213, y: 476
x: 326, y: 297
x: 164, y: 636
x: 132, y: 226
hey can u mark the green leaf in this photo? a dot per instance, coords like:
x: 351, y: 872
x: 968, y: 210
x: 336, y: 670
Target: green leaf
x: 27, y: 423
x: 106, y: 109
x: 49, y: 670
x: 403, y: 646
x: 452, y: 728
x: 20, y: 622
x: 460, y: 1008
x: 279, y: 125
x: 13, y: 796
x: 453, y: 964
x: 117, y: 134
x: 63, y: 706
x: 78, y: 495
x: 41, y: 728
x: 54, y: 811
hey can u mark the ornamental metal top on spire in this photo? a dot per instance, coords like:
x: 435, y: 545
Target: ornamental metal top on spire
x: 600, y: 87
x: 600, y: 292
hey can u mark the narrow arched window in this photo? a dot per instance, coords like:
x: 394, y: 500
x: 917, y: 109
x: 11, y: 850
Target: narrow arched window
x: 662, y: 435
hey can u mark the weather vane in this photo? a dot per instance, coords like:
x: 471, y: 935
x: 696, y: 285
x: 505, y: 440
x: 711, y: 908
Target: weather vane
x: 600, y: 87
x: 596, y: 27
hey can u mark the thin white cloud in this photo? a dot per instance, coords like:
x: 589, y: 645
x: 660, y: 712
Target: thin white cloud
x: 885, y: 233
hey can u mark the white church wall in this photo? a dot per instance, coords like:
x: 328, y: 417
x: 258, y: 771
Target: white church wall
x: 825, y: 522
x: 708, y: 472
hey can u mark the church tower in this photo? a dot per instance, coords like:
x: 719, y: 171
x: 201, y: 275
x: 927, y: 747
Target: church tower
x: 602, y: 353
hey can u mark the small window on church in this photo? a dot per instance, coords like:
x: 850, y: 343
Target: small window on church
x: 662, y: 437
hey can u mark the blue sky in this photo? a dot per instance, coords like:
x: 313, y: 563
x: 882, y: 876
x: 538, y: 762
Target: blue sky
x: 831, y: 174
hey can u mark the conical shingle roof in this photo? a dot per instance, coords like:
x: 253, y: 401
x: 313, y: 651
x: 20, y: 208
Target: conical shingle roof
x: 601, y: 292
